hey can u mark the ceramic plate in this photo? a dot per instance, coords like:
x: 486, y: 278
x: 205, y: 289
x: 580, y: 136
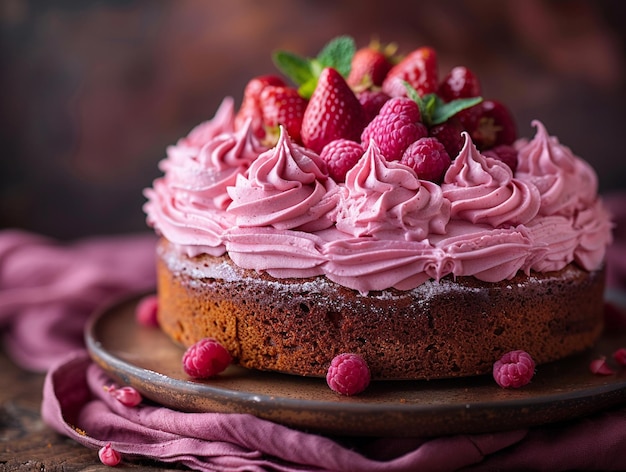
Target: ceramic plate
x: 149, y: 361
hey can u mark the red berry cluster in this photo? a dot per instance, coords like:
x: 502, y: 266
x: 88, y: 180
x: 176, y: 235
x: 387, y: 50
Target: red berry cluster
x: 372, y: 94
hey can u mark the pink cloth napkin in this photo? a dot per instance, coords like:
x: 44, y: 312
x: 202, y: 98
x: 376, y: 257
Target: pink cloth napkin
x: 48, y: 290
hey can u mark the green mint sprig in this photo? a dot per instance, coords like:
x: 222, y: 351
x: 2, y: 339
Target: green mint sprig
x: 304, y: 72
x: 434, y: 110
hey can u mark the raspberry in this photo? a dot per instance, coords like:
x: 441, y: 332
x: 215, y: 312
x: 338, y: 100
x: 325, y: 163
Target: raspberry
x: 109, y: 456
x: 504, y: 153
x: 600, y: 367
x: 372, y: 101
x: 206, y: 358
x: 449, y: 134
x: 146, y: 311
x: 620, y: 356
x: 428, y: 158
x: 514, y: 369
x: 127, y: 396
x: 395, y: 127
x: 489, y: 123
x: 348, y: 374
x: 340, y: 156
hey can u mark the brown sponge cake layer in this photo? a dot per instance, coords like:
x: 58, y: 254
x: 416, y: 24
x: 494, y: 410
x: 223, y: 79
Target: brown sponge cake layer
x: 449, y: 328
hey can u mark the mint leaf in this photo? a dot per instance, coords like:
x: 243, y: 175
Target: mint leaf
x: 297, y: 68
x: 338, y: 54
x: 434, y: 110
x: 444, y: 111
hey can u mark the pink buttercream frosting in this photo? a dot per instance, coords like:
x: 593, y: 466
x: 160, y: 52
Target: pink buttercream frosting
x: 277, y: 210
x: 385, y: 200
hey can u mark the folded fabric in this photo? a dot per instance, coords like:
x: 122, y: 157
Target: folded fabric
x: 48, y: 290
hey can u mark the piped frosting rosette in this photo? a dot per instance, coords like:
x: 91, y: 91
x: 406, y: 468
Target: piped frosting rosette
x: 483, y: 190
x: 572, y: 223
x: 385, y: 200
x: 285, y: 197
x: 384, y: 221
x: 186, y: 203
x: 566, y: 183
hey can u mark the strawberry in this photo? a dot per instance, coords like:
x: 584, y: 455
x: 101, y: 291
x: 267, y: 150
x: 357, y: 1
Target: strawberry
x: 372, y: 101
x: 460, y: 82
x: 282, y: 106
x: 369, y: 67
x: 504, y: 153
x: 250, y: 106
x: 419, y: 69
x: 428, y: 158
x: 449, y: 134
x: 333, y: 112
x: 395, y: 127
x: 340, y: 156
x: 489, y: 124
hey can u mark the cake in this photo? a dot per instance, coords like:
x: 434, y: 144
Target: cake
x: 376, y: 209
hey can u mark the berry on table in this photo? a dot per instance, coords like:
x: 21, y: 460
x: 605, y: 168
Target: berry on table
x: 428, y: 158
x: 395, y: 127
x: 205, y: 359
x: 514, y: 369
x: 109, y: 456
x: 340, y: 156
x: 127, y: 396
x: 348, y: 374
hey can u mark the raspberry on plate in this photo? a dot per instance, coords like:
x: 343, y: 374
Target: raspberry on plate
x: 514, y: 369
x: 428, y: 158
x: 348, y: 374
x: 205, y: 359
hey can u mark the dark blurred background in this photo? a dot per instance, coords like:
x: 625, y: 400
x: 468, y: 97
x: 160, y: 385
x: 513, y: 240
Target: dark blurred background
x: 91, y: 92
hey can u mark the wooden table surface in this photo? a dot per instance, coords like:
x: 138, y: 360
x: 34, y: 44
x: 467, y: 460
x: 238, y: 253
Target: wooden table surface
x: 27, y: 444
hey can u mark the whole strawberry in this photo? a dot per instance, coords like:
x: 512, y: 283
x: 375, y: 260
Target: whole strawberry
x: 428, y: 158
x: 340, y: 156
x: 489, y: 124
x: 333, y: 112
x: 395, y: 127
x: 369, y: 67
x: 460, y: 82
x: 419, y: 69
x: 251, y: 106
x: 282, y: 105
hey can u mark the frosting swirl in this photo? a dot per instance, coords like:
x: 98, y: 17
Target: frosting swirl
x: 277, y: 211
x: 386, y: 200
x: 287, y: 187
x: 566, y: 183
x: 483, y: 190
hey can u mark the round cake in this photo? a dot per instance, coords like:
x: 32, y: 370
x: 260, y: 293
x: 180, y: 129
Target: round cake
x: 400, y: 219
